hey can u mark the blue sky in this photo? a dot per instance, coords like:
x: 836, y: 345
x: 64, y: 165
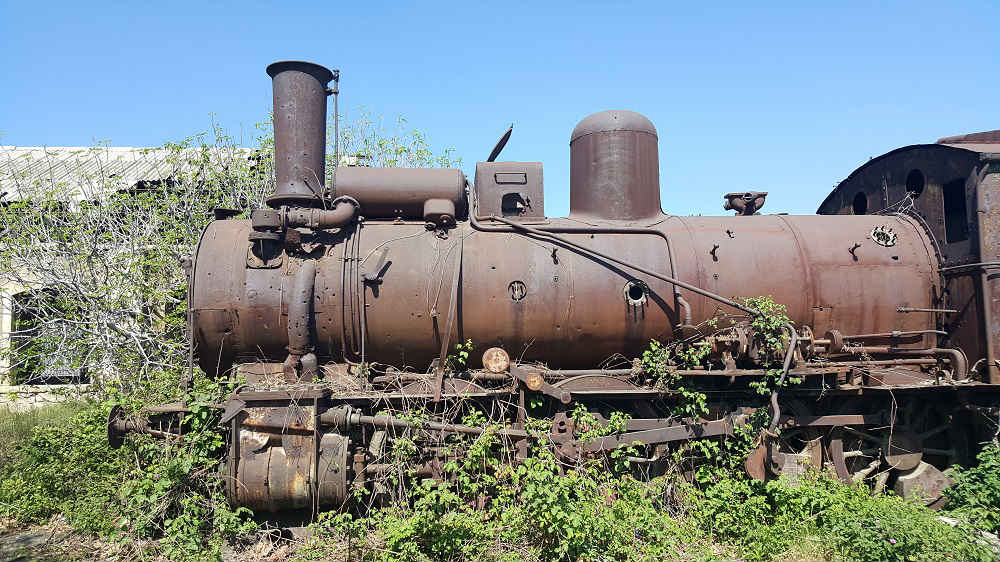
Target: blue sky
x: 782, y: 97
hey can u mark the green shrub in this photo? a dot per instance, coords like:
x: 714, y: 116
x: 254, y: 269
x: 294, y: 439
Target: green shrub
x: 976, y: 493
x: 532, y: 511
x: 17, y: 426
x: 738, y: 513
x: 485, y: 509
x: 827, y: 519
x: 65, y: 468
x: 866, y: 527
x: 857, y: 524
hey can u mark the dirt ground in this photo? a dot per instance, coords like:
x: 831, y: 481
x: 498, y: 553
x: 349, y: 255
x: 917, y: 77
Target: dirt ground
x: 51, y: 542
x: 56, y: 542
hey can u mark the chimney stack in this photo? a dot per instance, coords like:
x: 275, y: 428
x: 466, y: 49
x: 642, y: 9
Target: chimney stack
x: 300, y: 90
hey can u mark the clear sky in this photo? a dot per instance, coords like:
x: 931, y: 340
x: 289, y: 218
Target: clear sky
x: 783, y: 97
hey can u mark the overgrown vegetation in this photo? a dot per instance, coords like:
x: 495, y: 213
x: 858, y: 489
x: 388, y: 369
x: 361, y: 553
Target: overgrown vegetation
x: 542, y: 510
x: 487, y: 509
x: 771, y: 340
x: 17, y: 425
x: 976, y: 493
x: 147, y: 490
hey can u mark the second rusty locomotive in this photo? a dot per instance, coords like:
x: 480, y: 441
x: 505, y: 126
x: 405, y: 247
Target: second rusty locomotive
x: 345, y: 298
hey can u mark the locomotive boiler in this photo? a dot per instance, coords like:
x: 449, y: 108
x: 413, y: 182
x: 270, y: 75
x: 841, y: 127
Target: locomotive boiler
x: 344, y: 300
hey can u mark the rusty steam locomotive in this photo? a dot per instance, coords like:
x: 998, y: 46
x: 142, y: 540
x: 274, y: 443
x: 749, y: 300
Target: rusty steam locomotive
x: 344, y: 300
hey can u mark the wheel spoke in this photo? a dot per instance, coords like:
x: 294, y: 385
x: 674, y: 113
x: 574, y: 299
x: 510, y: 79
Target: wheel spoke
x: 860, y: 453
x: 863, y: 435
x: 933, y: 432
x: 941, y: 452
x: 864, y: 472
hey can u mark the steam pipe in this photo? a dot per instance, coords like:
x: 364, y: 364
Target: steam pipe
x: 344, y: 209
x: 959, y: 364
x: 896, y: 334
x: 389, y: 422
x: 685, y: 305
x: 985, y: 241
x: 973, y: 266
x: 299, y: 332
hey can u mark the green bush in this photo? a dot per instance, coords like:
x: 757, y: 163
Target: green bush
x: 866, y: 527
x: 17, y: 426
x: 738, y: 513
x: 976, y: 493
x: 536, y: 510
x: 766, y: 521
x: 65, y: 468
x: 485, y: 509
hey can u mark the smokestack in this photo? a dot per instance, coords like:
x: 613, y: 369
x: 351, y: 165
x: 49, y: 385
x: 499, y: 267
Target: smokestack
x: 299, y: 132
x: 614, y: 168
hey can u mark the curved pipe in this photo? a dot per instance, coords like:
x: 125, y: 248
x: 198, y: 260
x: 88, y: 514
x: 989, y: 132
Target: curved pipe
x: 299, y: 313
x: 344, y: 209
x: 959, y: 363
x: 793, y: 340
x: 686, y: 306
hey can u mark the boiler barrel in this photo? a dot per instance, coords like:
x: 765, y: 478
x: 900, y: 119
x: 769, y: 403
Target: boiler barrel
x: 542, y: 301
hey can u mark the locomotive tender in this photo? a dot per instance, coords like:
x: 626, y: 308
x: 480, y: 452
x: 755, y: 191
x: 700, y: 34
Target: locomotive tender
x: 343, y: 299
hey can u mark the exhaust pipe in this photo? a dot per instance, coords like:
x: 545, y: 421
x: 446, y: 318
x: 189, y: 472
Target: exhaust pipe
x: 300, y: 90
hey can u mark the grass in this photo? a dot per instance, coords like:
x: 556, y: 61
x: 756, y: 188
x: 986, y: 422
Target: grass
x: 16, y: 426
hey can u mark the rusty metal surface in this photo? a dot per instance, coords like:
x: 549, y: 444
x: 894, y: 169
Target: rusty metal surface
x: 882, y: 181
x: 988, y: 229
x: 380, y: 290
x: 278, y: 472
